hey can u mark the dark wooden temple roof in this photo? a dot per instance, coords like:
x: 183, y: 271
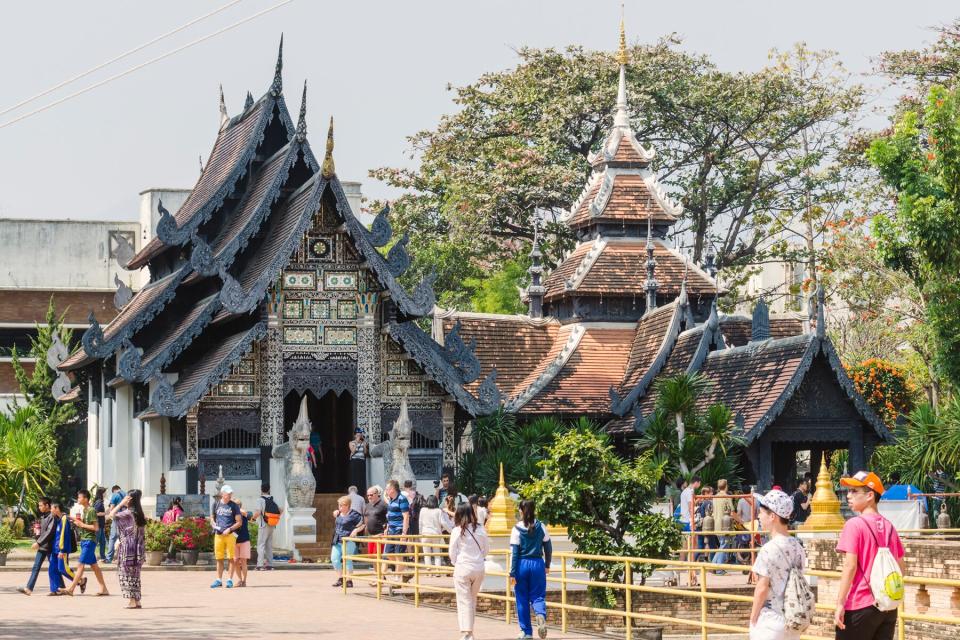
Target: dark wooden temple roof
x: 737, y: 330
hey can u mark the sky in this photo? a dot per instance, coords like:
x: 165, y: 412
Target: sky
x: 381, y: 68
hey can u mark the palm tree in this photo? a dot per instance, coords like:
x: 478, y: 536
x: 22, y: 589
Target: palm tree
x: 27, y: 457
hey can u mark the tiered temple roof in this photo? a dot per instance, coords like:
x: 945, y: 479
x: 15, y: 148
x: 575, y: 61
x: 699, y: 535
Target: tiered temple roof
x: 215, y: 265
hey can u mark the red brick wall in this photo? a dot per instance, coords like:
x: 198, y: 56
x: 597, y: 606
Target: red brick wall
x: 31, y: 305
x: 8, y: 383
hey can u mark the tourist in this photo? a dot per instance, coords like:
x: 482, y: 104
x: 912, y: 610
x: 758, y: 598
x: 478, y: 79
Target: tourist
x: 63, y: 546
x: 358, y: 458
x: 267, y: 515
x: 41, y: 546
x: 447, y: 513
x: 415, y: 498
x: 398, y: 524
x: 776, y: 558
x: 446, y: 487
x: 86, y: 525
x: 801, y: 503
x: 357, y: 503
x: 469, y: 546
x: 531, y: 552
x: 375, y: 517
x: 686, y: 502
x: 672, y: 493
x: 431, y: 528
x: 226, y: 521
x: 116, y: 496
x: 722, y: 505
x: 173, y: 513
x: 242, y: 549
x: 482, y: 511
x: 347, y: 522
x: 856, y: 617
x: 99, y: 506
x: 129, y: 521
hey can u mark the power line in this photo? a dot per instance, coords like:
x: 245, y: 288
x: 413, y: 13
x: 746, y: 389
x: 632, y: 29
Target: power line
x: 84, y: 74
x: 142, y: 65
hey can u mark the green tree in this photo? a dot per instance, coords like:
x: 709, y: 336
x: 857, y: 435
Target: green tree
x: 604, y: 502
x: 28, y: 465
x: 58, y: 417
x: 686, y: 439
x: 742, y: 151
x: 920, y: 160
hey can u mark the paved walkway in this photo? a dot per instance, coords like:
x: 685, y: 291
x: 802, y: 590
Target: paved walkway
x: 180, y: 605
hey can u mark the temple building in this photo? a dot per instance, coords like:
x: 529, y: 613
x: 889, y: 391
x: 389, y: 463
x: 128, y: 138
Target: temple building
x: 265, y: 288
x: 625, y: 309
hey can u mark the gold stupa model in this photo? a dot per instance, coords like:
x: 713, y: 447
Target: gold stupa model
x: 825, y: 506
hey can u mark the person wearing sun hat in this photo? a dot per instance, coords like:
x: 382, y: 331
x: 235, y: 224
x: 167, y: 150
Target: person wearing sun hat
x: 776, y: 558
x: 856, y: 617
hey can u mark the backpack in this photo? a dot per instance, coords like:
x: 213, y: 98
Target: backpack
x: 798, y: 602
x: 886, y: 580
x: 271, y: 512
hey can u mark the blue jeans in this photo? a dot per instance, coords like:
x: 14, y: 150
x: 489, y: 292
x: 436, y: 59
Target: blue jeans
x: 111, y: 545
x: 336, y: 555
x: 102, y: 543
x: 531, y: 588
x: 35, y: 571
x: 721, y: 556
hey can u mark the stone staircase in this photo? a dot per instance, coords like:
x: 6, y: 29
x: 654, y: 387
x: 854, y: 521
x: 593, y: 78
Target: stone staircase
x: 319, y: 551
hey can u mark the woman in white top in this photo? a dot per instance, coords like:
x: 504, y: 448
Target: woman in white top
x: 774, y: 561
x: 431, y: 525
x: 469, y: 546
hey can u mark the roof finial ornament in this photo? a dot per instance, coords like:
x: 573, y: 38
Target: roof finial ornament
x: 302, y: 121
x: 248, y: 102
x: 328, y: 168
x: 651, y: 285
x: 535, y: 290
x: 760, y: 325
x: 620, y: 118
x: 277, y: 87
x: 821, y: 312
x: 224, y: 117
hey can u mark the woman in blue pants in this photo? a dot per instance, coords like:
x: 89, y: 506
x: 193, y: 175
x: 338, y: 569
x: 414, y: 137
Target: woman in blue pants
x: 529, y: 565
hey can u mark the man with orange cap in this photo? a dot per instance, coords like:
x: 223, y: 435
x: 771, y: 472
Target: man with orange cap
x: 856, y: 617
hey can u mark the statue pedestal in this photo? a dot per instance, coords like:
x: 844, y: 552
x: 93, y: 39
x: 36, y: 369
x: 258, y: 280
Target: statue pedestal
x: 304, y: 526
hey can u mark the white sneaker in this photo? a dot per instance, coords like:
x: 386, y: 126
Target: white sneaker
x: 541, y: 626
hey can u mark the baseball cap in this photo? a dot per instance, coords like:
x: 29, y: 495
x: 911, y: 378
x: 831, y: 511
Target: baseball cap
x: 226, y: 489
x: 864, y: 479
x: 776, y: 501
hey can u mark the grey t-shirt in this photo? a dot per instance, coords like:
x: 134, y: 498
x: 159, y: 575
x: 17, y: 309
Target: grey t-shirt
x: 376, y: 517
x: 774, y: 561
x: 745, y: 511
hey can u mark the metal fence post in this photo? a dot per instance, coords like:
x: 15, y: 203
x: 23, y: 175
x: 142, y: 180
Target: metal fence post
x: 703, y: 604
x: 379, y: 572
x: 900, y: 622
x: 344, y: 547
x: 628, y: 597
x: 506, y: 592
x: 563, y: 594
x: 416, y: 574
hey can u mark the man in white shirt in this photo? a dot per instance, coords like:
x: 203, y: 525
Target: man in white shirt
x: 686, y: 502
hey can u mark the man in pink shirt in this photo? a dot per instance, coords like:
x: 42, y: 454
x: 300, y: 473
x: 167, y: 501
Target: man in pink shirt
x: 856, y: 617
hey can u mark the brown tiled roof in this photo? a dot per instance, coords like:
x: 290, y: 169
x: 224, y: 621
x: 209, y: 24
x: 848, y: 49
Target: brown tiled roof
x: 750, y: 380
x: 679, y: 361
x: 737, y: 330
x: 228, y: 149
x: 582, y: 386
x: 630, y: 200
x: 621, y: 270
x: 622, y: 425
x: 514, y: 344
x: 648, y: 341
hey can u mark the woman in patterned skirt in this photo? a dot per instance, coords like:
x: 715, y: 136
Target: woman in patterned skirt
x: 130, y: 522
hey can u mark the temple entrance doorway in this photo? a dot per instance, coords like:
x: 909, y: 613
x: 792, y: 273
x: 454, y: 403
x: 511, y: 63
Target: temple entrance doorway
x: 332, y: 416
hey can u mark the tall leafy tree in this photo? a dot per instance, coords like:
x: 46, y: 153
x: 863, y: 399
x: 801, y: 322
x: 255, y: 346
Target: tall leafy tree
x: 60, y: 418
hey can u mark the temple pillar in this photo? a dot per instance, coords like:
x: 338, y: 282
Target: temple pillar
x: 448, y: 413
x: 856, y: 458
x: 271, y: 387
x: 152, y: 455
x: 368, y: 378
x: 761, y: 457
x: 94, y: 454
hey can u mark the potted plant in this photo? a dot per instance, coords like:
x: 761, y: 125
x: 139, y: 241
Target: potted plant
x: 157, y: 541
x: 187, y: 538
x: 7, y: 542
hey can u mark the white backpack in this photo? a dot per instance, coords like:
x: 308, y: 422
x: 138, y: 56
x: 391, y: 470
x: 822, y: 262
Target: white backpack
x: 798, y: 602
x: 886, y: 580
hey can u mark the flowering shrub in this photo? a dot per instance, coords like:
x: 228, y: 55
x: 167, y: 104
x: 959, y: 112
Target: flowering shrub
x: 884, y: 386
x: 157, y: 536
x: 192, y: 534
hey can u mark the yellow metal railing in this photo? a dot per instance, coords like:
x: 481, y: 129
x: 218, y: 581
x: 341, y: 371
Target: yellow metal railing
x: 420, y: 548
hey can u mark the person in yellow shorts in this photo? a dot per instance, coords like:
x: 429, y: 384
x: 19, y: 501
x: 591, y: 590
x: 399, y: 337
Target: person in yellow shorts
x: 226, y: 521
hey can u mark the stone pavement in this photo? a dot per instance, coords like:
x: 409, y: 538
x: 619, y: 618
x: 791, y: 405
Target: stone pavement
x: 178, y: 604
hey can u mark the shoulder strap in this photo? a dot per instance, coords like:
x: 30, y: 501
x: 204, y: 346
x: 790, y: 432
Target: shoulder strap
x: 870, y: 528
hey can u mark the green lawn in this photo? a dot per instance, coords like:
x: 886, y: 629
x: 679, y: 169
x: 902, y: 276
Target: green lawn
x: 23, y: 543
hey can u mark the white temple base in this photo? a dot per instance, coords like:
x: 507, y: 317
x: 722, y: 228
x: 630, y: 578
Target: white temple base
x: 304, y: 525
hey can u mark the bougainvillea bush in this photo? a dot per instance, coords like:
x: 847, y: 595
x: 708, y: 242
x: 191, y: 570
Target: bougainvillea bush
x: 885, y: 387
x: 189, y: 534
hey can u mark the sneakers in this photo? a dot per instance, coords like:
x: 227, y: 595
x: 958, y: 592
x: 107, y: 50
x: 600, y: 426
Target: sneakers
x: 338, y: 583
x: 541, y: 626
x: 229, y: 584
x: 24, y: 591
x: 524, y: 636
x: 350, y: 586
x: 216, y: 584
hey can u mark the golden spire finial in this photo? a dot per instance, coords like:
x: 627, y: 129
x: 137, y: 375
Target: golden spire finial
x: 825, y: 505
x: 622, y: 53
x: 328, y: 169
x: 502, y: 483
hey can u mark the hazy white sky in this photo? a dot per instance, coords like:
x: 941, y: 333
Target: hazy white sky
x: 379, y: 67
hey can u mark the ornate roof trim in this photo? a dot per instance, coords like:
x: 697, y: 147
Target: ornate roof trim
x: 611, y: 145
x: 416, y: 304
x: 169, y: 400
x: 435, y: 360
x: 691, y: 265
x: 826, y: 345
x: 553, y: 368
x: 586, y: 263
x: 622, y: 406
x: 659, y: 194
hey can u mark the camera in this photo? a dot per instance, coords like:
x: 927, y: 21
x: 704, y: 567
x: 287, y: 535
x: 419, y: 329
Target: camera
x: 436, y: 483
